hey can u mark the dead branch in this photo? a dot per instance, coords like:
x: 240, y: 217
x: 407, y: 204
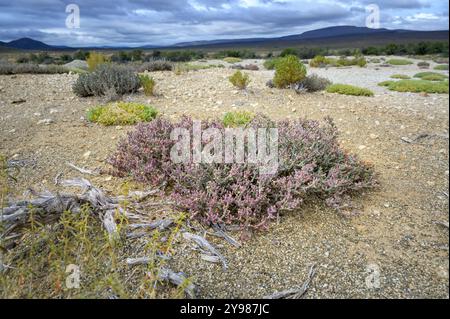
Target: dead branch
x: 82, y: 170
x: 205, y: 246
x: 295, y: 293
x: 178, y: 279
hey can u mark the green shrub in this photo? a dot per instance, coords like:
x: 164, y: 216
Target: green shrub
x: 399, y: 62
x: 95, y: 59
x: 270, y: 64
x: 232, y: 60
x: 121, y: 113
x: 156, y: 65
x: 314, y: 83
x: 238, y: 118
x: 240, y: 80
x: 385, y: 83
x: 442, y: 67
x: 148, y: 84
x: 423, y: 65
x: 400, y: 76
x: 289, y: 70
x: 349, y: 90
x: 106, y: 78
x: 319, y: 61
x: 418, y: 86
x: 29, y: 68
x: 431, y: 75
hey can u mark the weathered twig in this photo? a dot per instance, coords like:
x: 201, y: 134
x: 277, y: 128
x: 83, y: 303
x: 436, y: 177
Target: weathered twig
x: 295, y: 293
x: 205, y: 246
x: 178, y: 279
x: 82, y: 170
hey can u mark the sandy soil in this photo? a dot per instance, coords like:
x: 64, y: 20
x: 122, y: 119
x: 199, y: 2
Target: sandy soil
x: 393, y: 228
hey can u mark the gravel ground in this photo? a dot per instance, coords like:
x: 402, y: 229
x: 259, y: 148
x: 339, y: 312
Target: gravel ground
x: 393, y: 228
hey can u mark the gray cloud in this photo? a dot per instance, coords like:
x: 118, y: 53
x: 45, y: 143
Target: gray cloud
x: 139, y: 22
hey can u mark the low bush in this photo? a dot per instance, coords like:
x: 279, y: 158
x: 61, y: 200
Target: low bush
x: 315, y: 83
x: 319, y: 61
x: 418, y: 86
x: 312, y: 166
x: 400, y: 76
x: 271, y: 63
x: 399, y: 62
x: 28, y: 68
x: 148, y: 84
x: 423, y: 65
x: 442, y: 67
x: 240, y: 80
x: 106, y: 78
x: 349, y: 90
x: 232, y: 60
x: 431, y: 75
x: 385, y: 83
x: 121, y: 113
x: 288, y: 71
x: 156, y: 65
x: 95, y: 59
x: 238, y: 118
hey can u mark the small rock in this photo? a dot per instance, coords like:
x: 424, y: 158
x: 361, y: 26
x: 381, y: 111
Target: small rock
x: 45, y: 122
x: 361, y: 147
x: 373, y: 136
x: 87, y: 154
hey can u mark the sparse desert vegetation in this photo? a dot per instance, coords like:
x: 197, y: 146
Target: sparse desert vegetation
x: 349, y: 166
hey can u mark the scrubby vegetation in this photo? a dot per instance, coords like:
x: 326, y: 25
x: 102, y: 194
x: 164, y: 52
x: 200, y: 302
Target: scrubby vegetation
x: 423, y: 65
x: 416, y: 86
x: 400, y: 76
x: 27, y: 68
x: 232, y: 60
x: 442, y: 67
x: 349, y: 90
x: 321, y: 61
x: 104, y: 78
x: 431, y: 76
x: 312, y: 166
x: 95, y: 59
x: 237, y: 118
x: 314, y: 83
x: 399, y: 62
x: 148, y: 84
x: 270, y: 64
x: 240, y: 80
x: 289, y: 70
x: 156, y: 65
x: 49, y: 260
x: 121, y: 113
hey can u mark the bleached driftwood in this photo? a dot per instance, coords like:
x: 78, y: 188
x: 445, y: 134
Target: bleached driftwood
x: 47, y: 207
x: 82, y: 170
x: 295, y: 293
x: 205, y: 247
x: 145, y: 260
x: 178, y: 279
x: 222, y: 233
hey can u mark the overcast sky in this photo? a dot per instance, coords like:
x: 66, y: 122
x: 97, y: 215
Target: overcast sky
x: 161, y: 22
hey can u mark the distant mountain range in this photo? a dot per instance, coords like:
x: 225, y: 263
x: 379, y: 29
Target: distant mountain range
x: 331, y: 37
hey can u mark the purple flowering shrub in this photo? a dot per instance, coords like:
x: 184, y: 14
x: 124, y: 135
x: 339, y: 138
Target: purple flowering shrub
x: 311, y: 165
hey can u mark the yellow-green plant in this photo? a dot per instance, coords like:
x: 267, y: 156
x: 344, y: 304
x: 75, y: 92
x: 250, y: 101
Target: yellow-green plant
x: 238, y: 118
x: 232, y: 60
x: 121, y: 113
x: 349, y: 90
x: 240, y: 80
x: 148, y: 83
x: 288, y: 70
x: 95, y: 59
